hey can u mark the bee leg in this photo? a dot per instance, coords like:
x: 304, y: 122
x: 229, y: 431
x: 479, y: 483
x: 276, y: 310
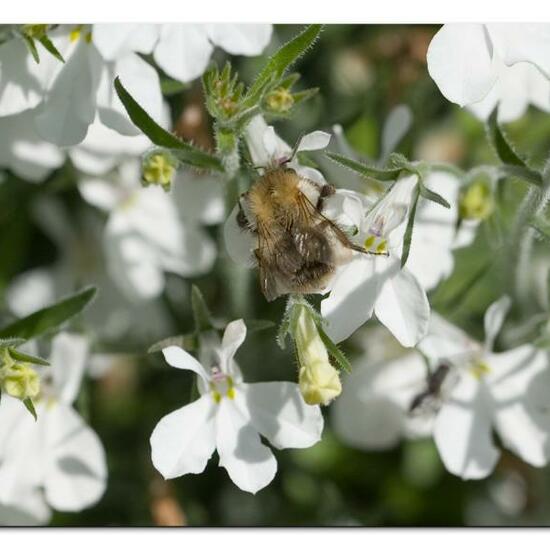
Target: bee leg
x: 242, y: 220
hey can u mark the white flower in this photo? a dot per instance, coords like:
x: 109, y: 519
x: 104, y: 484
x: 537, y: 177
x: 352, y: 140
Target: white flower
x: 267, y: 150
x: 144, y: 235
x: 435, y: 237
x: 506, y: 392
x: 229, y: 417
x: 58, y: 453
x: 69, y: 96
x: 376, y: 283
x: 183, y: 50
x: 373, y: 411
x: 482, y: 66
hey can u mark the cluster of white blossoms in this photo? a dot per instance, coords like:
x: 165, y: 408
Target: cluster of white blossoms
x: 429, y: 379
x: 483, y: 66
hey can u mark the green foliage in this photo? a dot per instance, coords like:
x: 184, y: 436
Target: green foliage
x: 370, y: 172
x: 29, y: 405
x: 407, y: 239
x: 184, y: 152
x: 334, y: 351
x: 27, y: 358
x: 201, y: 313
x: 49, y: 318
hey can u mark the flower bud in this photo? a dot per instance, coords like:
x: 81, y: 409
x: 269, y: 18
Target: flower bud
x: 318, y: 380
x: 19, y: 380
x: 280, y: 100
x: 158, y: 168
x: 36, y: 31
x: 476, y: 201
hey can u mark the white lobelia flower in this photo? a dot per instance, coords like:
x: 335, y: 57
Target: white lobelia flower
x: 145, y: 235
x: 506, y: 392
x: 56, y: 461
x: 183, y: 50
x: 229, y: 417
x: 375, y: 283
x: 373, y: 412
x: 268, y: 150
x: 67, y: 96
x: 482, y: 66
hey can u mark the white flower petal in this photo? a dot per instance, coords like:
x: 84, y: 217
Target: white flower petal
x: 240, y: 39
x: 446, y: 341
x: 462, y: 431
x: 141, y: 81
x: 494, y: 318
x: 199, y: 199
x: 76, y: 473
x: 24, y: 151
x: 30, y: 510
x: 184, y: 440
x: 116, y: 39
x: 103, y: 148
x: 180, y: 359
x: 21, y: 85
x: 239, y: 243
x: 250, y: 464
x: 519, y: 382
x: 314, y: 141
x: 351, y: 300
x: 279, y: 413
x: 183, y: 50
x: 31, y: 291
x: 100, y: 193
x: 402, y: 306
x: 372, y: 412
x: 460, y: 62
x: 233, y: 337
x: 68, y: 361
x: 70, y: 107
x: 516, y: 42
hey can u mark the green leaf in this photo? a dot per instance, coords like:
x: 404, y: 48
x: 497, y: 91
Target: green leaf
x: 256, y: 325
x: 26, y: 358
x: 525, y: 174
x: 11, y: 342
x: 188, y: 342
x: 185, y: 152
x: 31, y: 46
x: 49, y: 45
x: 379, y: 174
x: 334, y: 351
x: 169, y: 86
x: 502, y: 148
x: 30, y: 407
x: 432, y: 195
x: 280, y: 62
x: 407, y: 239
x: 201, y: 313
x: 50, y: 317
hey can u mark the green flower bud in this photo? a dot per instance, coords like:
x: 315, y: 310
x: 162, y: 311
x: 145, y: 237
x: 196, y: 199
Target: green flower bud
x: 318, y: 380
x: 280, y: 100
x: 19, y: 380
x: 476, y: 201
x: 35, y: 31
x: 158, y: 168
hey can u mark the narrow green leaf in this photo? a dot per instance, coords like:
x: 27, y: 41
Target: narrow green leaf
x: 432, y: 195
x: 50, y: 317
x: 520, y: 172
x: 407, y: 239
x: 169, y: 86
x: 31, y: 46
x: 27, y: 358
x: 503, y: 149
x: 201, y: 313
x: 280, y: 62
x: 257, y: 325
x: 380, y: 174
x: 29, y: 405
x: 49, y: 45
x: 185, y: 152
x: 334, y: 351
x: 186, y: 341
x: 11, y: 342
